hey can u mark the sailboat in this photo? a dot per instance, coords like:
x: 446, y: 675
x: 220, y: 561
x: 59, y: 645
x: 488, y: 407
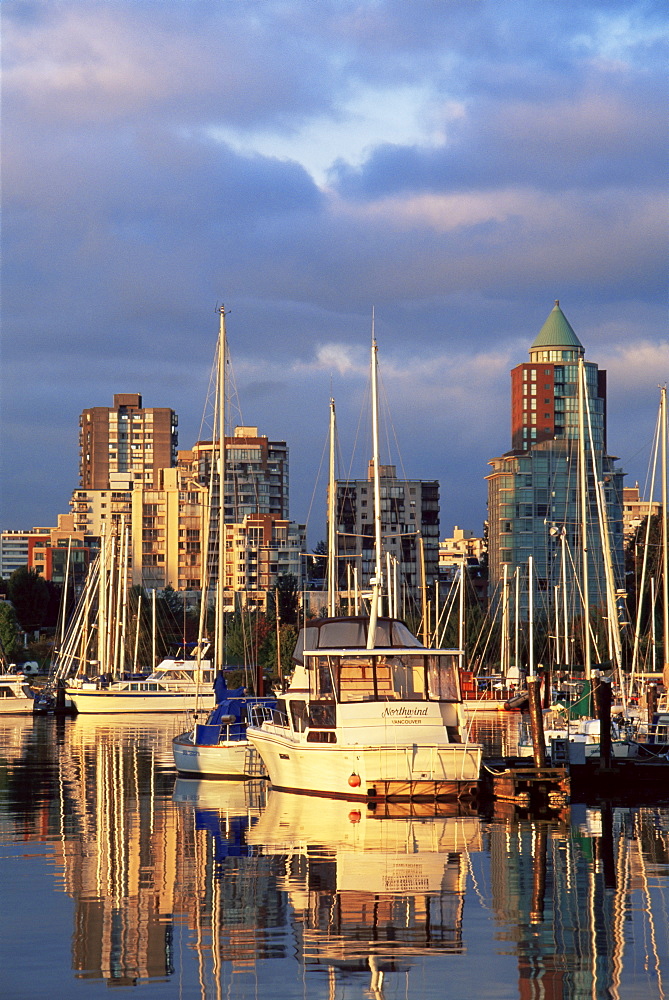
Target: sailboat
x: 370, y: 712
x: 92, y: 671
x: 218, y: 748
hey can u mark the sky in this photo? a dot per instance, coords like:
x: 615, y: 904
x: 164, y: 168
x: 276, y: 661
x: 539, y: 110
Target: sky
x: 452, y: 166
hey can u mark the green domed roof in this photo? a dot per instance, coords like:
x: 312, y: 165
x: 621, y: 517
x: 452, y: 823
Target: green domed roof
x: 556, y: 332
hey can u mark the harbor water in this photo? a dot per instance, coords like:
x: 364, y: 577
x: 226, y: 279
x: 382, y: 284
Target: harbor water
x: 116, y: 873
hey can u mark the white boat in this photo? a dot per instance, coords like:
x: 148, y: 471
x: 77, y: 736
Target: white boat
x: 370, y: 713
x: 16, y: 695
x: 575, y: 741
x: 219, y: 748
x: 369, y: 723
x: 173, y: 686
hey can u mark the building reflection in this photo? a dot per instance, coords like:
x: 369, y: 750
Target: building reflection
x: 120, y: 847
x: 575, y: 899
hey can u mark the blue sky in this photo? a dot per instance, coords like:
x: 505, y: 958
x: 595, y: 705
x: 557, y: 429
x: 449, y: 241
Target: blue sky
x: 457, y: 166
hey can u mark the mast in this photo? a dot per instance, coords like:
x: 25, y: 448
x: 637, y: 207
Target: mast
x: 565, y: 608
x: 332, y: 513
x: 423, y: 592
x: 378, y: 564
x: 504, y: 665
x: 613, y: 628
x: 102, y: 601
x: 530, y: 614
x: 219, y: 458
x: 665, y: 537
x: 583, y: 483
x: 461, y: 614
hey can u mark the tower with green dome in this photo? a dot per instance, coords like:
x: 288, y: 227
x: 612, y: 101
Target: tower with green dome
x: 533, y: 490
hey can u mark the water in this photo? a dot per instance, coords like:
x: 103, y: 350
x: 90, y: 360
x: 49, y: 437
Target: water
x: 115, y: 873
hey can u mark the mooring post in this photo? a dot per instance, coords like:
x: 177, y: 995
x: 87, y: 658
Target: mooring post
x: 651, y: 707
x: 603, y: 707
x: 536, y: 721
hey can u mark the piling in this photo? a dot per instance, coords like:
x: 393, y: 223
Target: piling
x: 536, y: 721
x: 651, y: 704
x: 602, y: 692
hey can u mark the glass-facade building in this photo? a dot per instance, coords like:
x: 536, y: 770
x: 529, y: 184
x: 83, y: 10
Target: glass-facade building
x: 534, y: 493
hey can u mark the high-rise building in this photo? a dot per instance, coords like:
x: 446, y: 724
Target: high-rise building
x: 124, y: 444
x: 15, y: 548
x: 533, y: 491
x: 409, y: 511
x: 256, y: 473
x: 170, y: 526
x: 258, y: 551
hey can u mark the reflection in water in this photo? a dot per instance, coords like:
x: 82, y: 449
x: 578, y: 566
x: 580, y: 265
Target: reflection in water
x: 208, y: 887
x: 580, y: 900
x: 229, y: 894
x: 106, y: 821
x: 368, y: 892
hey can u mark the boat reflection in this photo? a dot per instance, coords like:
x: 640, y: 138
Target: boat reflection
x: 368, y: 890
x: 226, y: 809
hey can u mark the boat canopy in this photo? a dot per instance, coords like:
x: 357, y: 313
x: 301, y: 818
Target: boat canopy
x: 351, y: 633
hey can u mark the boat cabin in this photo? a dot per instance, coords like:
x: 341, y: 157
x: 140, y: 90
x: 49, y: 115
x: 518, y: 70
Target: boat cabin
x: 334, y: 668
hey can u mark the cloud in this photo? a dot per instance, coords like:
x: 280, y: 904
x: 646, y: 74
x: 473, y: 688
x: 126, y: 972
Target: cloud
x: 456, y: 166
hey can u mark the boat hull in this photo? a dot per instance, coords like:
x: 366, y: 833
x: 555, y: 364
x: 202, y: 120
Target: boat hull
x: 229, y: 759
x: 16, y: 706
x: 16, y: 698
x: 124, y: 702
x: 363, y: 773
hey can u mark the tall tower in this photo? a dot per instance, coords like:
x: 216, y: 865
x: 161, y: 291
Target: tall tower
x: 534, y: 505
x: 125, y: 444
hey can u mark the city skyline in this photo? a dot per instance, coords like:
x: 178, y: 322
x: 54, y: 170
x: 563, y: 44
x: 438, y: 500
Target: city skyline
x: 455, y: 166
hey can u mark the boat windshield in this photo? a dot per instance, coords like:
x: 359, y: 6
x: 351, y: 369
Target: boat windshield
x: 386, y: 677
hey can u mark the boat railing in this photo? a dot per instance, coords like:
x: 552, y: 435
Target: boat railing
x: 259, y: 713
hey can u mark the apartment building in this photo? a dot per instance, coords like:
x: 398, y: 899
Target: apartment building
x: 409, y: 512
x: 125, y: 443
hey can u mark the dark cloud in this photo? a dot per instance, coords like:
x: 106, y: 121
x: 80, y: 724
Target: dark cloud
x: 137, y: 194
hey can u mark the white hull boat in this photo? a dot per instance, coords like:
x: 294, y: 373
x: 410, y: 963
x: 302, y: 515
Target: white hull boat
x: 579, y: 741
x: 228, y: 759
x: 219, y: 748
x: 174, y: 686
x: 16, y: 695
x: 369, y: 724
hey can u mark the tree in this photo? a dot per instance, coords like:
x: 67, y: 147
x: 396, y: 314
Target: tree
x: 10, y: 636
x: 318, y: 561
x: 289, y: 599
x: 29, y: 594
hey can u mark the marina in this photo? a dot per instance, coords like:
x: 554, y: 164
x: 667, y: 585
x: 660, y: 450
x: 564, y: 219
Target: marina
x: 194, y: 888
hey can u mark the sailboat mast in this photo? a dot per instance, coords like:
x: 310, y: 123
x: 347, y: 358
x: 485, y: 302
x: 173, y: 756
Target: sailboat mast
x: 332, y: 513
x: 504, y: 665
x: 583, y: 482
x: 219, y: 458
x: 378, y: 564
x: 565, y: 608
x: 665, y: 536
